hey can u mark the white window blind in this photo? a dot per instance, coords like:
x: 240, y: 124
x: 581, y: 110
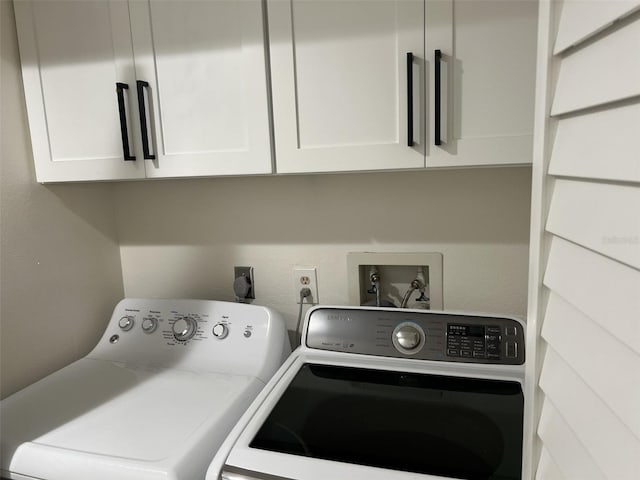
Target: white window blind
x: 584, y: 320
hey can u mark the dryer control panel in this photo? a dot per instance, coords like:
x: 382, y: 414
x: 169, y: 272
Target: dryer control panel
x: 195, y: 335
x: 418, y: 334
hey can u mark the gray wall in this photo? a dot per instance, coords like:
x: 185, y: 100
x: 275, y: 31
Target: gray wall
x: 60, y: 272
x: 181, y: 238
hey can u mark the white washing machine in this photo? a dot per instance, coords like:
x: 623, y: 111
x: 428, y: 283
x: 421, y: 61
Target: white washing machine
x: 387, y: 394
x: 153, y: 400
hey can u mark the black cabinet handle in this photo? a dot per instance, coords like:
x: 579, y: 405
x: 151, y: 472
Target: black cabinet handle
x: 438, y: 99
x: 409, y: 99
x: 143, y: 120
x: 120, y: 88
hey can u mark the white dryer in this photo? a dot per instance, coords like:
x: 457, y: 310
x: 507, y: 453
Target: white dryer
x: 387, y: 394
x: 153, y: 400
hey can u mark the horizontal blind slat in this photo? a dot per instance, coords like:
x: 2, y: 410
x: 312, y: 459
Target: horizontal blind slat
x: 610, y: 442
x: 604, y: 289
x: 570, y: 455
x: 607, y: 71
x: 581, y: 20
x: 610, y: 369
x: 583, y: 145
x: 600, y: 216
x: 547, y: 467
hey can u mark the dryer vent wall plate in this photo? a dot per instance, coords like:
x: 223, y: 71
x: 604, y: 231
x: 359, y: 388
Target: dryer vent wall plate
x: 396, y: 271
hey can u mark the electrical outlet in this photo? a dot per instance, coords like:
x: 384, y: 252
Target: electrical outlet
x: 244, y: 285
x: 306, y: 277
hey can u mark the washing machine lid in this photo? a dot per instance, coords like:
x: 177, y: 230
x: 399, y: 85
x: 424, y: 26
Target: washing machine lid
x: 332, y: 419
x: 125, y: 413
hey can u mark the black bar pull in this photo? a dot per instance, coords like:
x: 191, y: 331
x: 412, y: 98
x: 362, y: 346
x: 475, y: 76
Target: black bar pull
x: 438, y: 99
x: 143, y: 120
x: 409, y: 99
x: 120, y: 88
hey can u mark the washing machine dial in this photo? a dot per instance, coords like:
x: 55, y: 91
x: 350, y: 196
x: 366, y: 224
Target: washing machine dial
x: 408, y: 338
x: 126, y: 323
x: 149, y: 325
x: 184, y: 328
x: 220, y: 330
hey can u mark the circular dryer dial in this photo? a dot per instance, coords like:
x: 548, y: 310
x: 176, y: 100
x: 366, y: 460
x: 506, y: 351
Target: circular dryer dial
x: 184, y: 328
x: 125, y: 323
x: 408, y: 338
x: 220, y: 330
x: 149, y: 325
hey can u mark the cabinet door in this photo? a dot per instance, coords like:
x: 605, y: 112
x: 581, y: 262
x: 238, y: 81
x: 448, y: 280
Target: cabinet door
x: 487, y: 80
x: 339, y: 78
x: 73, y: 54
x: 206, y: 99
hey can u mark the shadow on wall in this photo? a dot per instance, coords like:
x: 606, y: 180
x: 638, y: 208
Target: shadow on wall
x: 90, y: 203
x: 473, y: 206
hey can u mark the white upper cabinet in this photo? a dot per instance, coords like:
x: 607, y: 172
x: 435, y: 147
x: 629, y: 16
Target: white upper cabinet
x: 73, y: 54
x: 201, y: 74
x: 487, y: 81
x: 183, y: 88
x: 122, y: 90
x: 341, y: 96
x: 345, y: 98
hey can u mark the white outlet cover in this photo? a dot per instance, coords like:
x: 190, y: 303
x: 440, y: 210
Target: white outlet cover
x: 310, y: 272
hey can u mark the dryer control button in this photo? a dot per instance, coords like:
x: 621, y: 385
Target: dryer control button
x: 184, y: 328
x: 220, y: 330
x: 126, y: 323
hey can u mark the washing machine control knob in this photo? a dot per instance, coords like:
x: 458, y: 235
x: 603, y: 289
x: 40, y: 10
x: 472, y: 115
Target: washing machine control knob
x: 220, y: 330
x: 184, y: 328
x: 126, y: 323
x: 408, y: 337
